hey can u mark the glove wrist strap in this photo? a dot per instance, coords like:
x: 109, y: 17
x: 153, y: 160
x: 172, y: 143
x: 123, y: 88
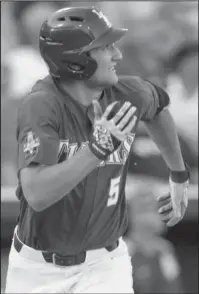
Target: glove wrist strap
x: 180, y: 176
x: 102, y: 143
x: 98, y: 151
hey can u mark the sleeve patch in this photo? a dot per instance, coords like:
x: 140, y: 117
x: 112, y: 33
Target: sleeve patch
x: 31, y: 145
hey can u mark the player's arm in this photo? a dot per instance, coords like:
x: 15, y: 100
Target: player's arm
x: 163, y: 131
x: 45, y: 185
x: 160, y: 125
x: 43, y: 180
x: 161, y: 128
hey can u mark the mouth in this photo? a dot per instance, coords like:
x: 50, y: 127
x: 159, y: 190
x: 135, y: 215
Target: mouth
x: 112, y: 69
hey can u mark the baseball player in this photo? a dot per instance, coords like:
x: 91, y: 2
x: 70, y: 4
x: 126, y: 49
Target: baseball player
x: 75, y: 130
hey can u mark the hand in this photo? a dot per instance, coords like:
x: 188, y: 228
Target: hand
x: 172, y: 207
x: 109, y: 131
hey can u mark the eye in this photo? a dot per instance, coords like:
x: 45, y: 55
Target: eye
x: 109, y: 46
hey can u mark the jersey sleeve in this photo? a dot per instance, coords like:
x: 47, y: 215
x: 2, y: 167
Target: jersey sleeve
x: 153, y: 100
x: 37, y: 131
x: 149, y: 98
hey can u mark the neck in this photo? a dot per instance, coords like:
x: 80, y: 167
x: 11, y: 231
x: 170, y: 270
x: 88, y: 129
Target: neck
x: 81, y: 92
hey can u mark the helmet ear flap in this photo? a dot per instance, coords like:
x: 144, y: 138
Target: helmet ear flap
x: 53, y: 68
x: 68, y: 64
x: 81, y: 66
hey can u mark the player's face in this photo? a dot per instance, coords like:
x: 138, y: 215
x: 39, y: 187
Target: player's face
x: 106, y: 58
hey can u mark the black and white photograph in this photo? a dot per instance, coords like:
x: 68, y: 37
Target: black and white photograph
x: 99, y: 147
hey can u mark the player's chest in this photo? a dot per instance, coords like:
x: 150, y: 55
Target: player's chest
x: 69, y: 147
x: 76, y: 128
x: 74, y: 132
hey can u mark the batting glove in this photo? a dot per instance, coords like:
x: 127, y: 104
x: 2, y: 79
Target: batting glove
x: 111, y: 128
x: 172, y: 207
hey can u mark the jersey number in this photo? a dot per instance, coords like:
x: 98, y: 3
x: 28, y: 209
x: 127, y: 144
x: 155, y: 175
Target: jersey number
x: 114, y: 191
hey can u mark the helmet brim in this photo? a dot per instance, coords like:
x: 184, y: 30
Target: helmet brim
x: 111, y: 36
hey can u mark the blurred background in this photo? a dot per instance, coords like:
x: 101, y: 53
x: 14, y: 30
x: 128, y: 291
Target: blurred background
x: 161, y: 46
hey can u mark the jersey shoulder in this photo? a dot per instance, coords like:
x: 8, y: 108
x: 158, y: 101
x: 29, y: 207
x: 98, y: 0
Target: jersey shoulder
x: 144, y: 87
x: 41, y: 100
x: 134, y: 84
x: 44, y: 89
x: 136, y: 90
x: 149, y: 98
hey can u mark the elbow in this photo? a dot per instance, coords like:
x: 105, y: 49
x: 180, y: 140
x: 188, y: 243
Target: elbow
x: 32, y: 190
x: 37, y: 206
x: 33, y: 199
x: 33, y: 195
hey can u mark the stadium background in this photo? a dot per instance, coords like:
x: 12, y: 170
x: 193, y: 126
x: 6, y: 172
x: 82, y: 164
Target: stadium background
x: 156, y: 31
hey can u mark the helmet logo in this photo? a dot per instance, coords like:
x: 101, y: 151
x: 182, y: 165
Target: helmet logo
x: 103, y: 17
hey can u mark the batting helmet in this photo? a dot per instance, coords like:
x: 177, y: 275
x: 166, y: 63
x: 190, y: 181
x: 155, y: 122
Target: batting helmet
x: 68, y: 35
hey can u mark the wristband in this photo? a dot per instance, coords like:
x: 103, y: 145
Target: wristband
x: 180, y: 176
x: 102, y: 143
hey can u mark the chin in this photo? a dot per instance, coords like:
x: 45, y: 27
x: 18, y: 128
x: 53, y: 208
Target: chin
x: 106, y: 81
x: 111, y: 80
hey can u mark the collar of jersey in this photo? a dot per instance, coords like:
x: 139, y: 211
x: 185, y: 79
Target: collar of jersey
x: 74, y: 104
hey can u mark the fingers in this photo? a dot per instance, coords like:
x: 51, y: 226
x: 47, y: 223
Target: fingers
x: 172, y: 207
x: 97, y: 109
x: 127, y: 117
x: 173, y: 221
x: 121, y: 112
x: 163, y: 201
x: 167, y: 217
x: 125, y: 124
x: 165, y: 208
x: 163, y: 197
x: 172, y: 218
x: 127, y: 130
x: 108, y: 109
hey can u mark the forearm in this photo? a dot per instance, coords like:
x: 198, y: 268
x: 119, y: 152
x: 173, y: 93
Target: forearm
x: 50, y: 184
x: 163, y: 132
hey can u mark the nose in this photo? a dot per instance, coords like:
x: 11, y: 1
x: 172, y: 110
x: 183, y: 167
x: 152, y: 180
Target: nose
x: 117, y: 54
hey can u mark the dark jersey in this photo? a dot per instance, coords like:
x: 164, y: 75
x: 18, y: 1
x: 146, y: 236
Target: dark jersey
x: 52, y: 127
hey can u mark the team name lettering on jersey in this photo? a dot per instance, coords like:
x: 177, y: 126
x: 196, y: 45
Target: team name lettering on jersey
x: 67, y: 149
x: 120, y: 156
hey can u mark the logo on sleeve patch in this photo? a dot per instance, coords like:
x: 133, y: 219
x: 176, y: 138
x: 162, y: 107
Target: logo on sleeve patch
x: 31, y: 144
